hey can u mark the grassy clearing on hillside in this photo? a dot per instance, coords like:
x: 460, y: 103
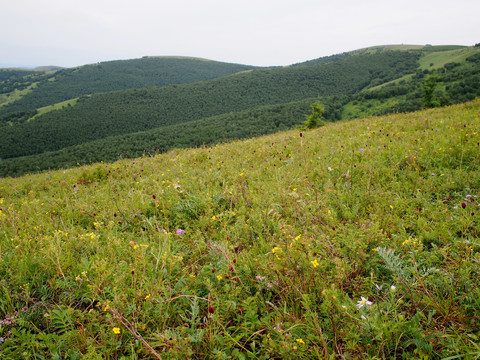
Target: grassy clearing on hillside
x: 357, y: 109
x: 15, y: 95
x: 437, y: 60
x: 58, y: 106
x: 358, y: 240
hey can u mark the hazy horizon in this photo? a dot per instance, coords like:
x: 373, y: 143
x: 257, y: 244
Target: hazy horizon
x: 262, y: 33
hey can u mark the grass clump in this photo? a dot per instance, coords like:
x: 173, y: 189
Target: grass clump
x: 355, y: 240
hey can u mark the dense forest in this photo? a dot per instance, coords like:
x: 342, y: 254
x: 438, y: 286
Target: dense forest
x: 204, y: 132
x: 112, y: 124
x: 110, y: 76
x: 117, y: 113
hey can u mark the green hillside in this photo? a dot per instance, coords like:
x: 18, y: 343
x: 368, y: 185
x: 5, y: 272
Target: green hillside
x: 103, y: 126
x: 65, y: 84
x: 116, y: 113
x: 356, y: 240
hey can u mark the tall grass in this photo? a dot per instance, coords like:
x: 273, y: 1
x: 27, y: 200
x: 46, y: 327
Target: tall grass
x: 356, y: 240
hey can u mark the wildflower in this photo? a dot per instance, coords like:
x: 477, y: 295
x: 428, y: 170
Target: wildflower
x: 211, y: 310
x: 468, y: 196
x: 315, y: 263
x: 180, y: 231
x: 276, y: 249
x: 219, y: 277
x: 329, y: 168
x: 464, y: 205
x: 393, y: 288
x: 300, y: 341
x: 363, y: 302
x: 116, y: 330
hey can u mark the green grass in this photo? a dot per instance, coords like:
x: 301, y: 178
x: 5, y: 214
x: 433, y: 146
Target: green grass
x: 437, y: 60
x: 58, y: 106
x: 15, y: 95
x: 365, y: 108
x: 357, y: 240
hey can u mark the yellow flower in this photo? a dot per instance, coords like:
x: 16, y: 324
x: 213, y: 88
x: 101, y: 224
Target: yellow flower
x: 116, y: 330
x: 315, y: 263
x: 147, y: 297
x: 219, y: 277
x: 276, y: 249
x: 300, y: 341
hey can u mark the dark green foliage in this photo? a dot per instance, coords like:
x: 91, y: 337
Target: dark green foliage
x: 208, y: 131
x: 130, y: 123
x: 315, y: 118
x: 113, y: 75
x: 428, y: 87
x: 117, y: 113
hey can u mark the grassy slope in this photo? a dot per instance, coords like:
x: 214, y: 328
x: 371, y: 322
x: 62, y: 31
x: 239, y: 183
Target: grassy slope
x: 283, y: 236
x: 437, y: 60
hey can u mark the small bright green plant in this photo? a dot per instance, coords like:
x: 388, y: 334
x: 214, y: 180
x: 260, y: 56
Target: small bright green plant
x: 314, y: 120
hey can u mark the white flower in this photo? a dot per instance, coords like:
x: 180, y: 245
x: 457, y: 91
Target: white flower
x: 392, y: 288
x: 363, y: 302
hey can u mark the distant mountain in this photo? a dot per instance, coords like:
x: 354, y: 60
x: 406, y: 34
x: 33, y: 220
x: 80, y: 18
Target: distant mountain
x: 50, y: 88
x: 48, y: 68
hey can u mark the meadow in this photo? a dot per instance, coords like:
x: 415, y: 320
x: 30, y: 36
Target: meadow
x: 355, y: 240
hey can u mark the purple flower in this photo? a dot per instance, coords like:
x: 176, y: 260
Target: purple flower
x: 180, y: 231
x: 468, y: 196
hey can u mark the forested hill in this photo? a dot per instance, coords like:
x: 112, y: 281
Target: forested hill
x: 79, y: 125
x: 117, y: 113
x: 49, y: 88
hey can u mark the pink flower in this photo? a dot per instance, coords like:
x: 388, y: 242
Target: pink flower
x: 180, y: 231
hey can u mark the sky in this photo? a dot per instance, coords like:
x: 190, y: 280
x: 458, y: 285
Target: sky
x: 70, y: 33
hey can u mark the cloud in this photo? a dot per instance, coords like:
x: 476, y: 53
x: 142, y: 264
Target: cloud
x: 267, y: 32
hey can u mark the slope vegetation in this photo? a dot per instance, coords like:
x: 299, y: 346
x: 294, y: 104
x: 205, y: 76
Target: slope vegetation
x: 107, y: 125
x: 355, y: 240
x: 65, y: 84
x: 116, y: 113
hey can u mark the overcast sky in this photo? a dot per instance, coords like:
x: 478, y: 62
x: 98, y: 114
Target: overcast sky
x: 254, y: 32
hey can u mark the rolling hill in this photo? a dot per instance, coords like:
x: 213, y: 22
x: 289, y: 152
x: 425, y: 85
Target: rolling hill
x: 57, y: 86
x: 365, y: 82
